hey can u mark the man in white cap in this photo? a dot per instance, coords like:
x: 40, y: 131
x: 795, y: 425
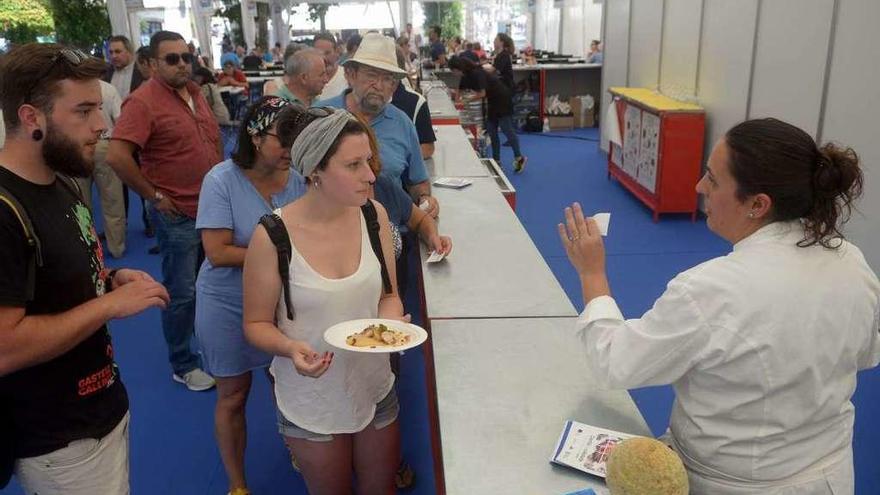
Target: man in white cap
x: 372, y: 76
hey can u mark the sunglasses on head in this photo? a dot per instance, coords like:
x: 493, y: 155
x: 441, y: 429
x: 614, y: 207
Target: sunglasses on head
x: 70, y: 56
x: 311, y: 114
x: 175, y: 58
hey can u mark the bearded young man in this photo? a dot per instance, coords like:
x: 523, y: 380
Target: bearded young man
x: 65, y: 408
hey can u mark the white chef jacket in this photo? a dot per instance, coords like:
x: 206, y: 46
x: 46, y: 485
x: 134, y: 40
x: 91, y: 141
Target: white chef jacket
x: 762, y: 347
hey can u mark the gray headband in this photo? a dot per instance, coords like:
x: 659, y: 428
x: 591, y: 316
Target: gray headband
x: 313, y: 142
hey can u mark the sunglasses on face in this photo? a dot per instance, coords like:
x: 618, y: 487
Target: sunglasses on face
x: 175, y: 58
x: 70, y: 57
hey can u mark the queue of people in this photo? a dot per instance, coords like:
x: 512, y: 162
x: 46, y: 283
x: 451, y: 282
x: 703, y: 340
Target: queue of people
x: 762, y: 345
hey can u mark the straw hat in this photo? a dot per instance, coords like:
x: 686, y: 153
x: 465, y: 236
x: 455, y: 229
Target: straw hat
x: 378, y: 51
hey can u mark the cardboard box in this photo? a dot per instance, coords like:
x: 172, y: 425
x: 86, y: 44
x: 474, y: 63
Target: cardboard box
x: 558, y: 122
x: 583, y: 117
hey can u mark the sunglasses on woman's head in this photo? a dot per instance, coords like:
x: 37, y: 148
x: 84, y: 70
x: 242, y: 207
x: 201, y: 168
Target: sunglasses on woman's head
x: 175, y: 58
x: 311, y: 114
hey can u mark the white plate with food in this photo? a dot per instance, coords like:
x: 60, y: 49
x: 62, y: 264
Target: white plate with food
x: 375, y: 335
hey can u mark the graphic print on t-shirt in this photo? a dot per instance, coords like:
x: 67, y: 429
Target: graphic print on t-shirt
x: 106, y: 376
x: 89, y: 238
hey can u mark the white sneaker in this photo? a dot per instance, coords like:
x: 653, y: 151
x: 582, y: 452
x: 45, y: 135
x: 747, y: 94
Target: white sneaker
x: 195, y: 380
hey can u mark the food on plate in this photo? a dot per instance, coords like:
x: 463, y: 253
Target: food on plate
x: 378, y: 336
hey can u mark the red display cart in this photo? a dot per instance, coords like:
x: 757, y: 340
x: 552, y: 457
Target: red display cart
x: 660, y: 154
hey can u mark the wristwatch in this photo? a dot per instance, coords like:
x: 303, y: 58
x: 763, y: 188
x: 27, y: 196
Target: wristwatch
x: 157, y: 197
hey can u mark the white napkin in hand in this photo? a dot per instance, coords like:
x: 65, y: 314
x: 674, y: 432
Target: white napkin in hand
x: 602, y: 220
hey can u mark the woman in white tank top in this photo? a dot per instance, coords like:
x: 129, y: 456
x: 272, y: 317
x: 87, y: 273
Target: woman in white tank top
x: 327, y: 403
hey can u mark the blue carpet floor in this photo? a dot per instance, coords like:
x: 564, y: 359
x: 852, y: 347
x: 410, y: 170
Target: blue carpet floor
x: 172, y: 445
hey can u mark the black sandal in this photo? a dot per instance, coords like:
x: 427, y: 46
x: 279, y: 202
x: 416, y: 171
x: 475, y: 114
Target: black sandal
x: 405, y: 478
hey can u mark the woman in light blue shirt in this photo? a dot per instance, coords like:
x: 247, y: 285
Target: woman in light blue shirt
x: 235, y: 194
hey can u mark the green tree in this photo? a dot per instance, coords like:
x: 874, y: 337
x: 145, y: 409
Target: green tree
x: 318, y: 12
x: 264, y: 12
x: 447, y: 15
x: 21, y: 21
x: 80, y: 23
x: 231, y: 10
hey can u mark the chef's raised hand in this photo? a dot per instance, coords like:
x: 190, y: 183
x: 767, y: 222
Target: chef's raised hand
x: 582, y: 242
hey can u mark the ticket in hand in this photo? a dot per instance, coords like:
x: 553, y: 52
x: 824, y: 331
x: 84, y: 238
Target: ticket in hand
x: 434, y: 257
x: 602, y: 220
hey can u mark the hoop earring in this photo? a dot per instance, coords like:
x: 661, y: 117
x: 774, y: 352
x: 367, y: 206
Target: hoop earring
x: 37, y: 135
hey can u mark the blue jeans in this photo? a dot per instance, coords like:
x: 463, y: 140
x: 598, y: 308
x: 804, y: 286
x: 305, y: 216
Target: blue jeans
x: 506, y: 124
x: 181, y: 250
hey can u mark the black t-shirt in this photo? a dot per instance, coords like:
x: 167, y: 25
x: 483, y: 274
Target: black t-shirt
x: 499, y: 99
x: 78, y: 394
x: 415, y: 107
x: 504, y: 65
x: 252, y: 62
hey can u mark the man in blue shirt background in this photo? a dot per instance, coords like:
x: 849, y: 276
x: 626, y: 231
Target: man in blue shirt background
x: 438, y: 50
x: 229, y: 56
x: 372, y: 76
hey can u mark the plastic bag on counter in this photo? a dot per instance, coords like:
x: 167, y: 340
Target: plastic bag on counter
x: 555, y: 106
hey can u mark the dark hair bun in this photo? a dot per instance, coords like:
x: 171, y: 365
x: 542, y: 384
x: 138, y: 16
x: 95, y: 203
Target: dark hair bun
x: 837, y: 172
x: 837, y: 183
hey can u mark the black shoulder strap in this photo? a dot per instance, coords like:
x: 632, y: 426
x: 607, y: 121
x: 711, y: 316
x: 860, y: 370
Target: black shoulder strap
x: 372, y: 220
x: 71, y: 186
x: 35, y: 252
x: 278, y: 234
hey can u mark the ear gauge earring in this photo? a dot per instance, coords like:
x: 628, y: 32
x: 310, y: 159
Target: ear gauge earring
x: 37, y: 135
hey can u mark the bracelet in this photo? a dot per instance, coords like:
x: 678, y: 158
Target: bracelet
x: 108, y: 282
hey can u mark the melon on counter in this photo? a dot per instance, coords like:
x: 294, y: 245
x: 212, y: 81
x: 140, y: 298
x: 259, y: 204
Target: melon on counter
x: 645, y: 466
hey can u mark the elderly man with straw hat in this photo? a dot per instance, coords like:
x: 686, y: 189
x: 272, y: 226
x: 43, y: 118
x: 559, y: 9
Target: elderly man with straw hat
x: 373, y: 75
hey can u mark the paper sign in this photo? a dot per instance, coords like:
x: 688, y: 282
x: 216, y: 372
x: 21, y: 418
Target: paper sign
x: 612, y: 125
x: 602, y: 220
x: 454, y: 182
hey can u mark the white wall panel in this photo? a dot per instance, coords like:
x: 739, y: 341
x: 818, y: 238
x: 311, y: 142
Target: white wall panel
x: 572, y: 28
x: 644, y: 49
x: 615, y: 66
x: 592, y: 22
x: 680, y: 47
x: 790, y: 61
x: 852, y: 112
x: 725, y: 64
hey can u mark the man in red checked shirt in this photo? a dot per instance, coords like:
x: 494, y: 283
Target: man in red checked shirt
x: 169, y: 123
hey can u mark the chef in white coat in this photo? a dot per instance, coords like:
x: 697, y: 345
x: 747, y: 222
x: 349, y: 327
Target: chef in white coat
x: 762, y: 345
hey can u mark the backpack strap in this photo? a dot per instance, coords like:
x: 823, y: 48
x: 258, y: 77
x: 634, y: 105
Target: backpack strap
x: 278, y: 234
x: 372, y: 220
x: 35, y: 251
x: 71, y: 185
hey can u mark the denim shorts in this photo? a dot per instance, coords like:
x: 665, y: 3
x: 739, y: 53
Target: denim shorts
x: 386, y: 413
